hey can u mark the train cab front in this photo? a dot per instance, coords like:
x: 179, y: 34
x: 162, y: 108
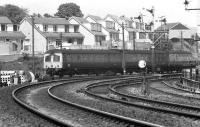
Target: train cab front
x: 53, y: 63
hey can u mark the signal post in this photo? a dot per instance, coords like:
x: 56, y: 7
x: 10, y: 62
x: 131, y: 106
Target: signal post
x: 145, y: 85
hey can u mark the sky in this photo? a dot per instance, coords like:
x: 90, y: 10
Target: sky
x: 173, y: 10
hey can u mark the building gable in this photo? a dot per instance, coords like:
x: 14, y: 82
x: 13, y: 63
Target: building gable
x: 179, y: 27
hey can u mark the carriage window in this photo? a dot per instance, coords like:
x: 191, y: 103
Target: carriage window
x: 56, y: 58
x: 48, y: 58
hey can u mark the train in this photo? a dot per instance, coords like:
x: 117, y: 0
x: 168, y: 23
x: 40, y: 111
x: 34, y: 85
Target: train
x: 80, y: 61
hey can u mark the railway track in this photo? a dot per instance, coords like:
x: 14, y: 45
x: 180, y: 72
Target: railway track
x: 64, y: 113
x: 166, y: 89
x: 163, y: 106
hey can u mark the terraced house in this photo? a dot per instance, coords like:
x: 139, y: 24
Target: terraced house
x: 108, y: 28
x: 11, y: 39
x: 49, y: 33
x: 93, y: 32
x: 135, y: 35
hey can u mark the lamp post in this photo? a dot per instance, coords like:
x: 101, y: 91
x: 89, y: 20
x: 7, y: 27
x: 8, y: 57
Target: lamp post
x: 123, y: 54
x: 186, y: 3
x: 33, y: 44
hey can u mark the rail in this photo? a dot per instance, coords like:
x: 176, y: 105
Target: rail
x: 190, y: 83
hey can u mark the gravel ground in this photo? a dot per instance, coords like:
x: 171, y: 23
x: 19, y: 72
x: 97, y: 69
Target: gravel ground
x: 40, y: 99
x: 13, y: 115
x: 69, y: 92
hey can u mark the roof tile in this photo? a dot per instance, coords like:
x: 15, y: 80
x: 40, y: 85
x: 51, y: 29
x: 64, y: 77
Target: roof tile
x: 12, y: 34
x: 64, y: 35
x: 5, y: 20
x: 51, y: 21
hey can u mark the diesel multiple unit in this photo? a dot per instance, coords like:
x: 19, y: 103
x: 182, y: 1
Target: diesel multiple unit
x: 61, y: 62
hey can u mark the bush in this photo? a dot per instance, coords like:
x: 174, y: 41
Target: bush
x: 46, y: 78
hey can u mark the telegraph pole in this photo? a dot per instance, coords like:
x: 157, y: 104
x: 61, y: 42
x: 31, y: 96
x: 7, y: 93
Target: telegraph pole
x: 33, y: 44
x: 123, y: 54
x: 153, y: 45
x: 181, y: 40
x: 61, y: 40
x: 134, y: 41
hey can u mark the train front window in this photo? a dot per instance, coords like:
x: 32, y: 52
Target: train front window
x: 56, y: 58
x: 48, y: 58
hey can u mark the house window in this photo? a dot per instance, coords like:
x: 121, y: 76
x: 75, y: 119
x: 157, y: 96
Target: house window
x: 21, y: 44
x: 137, y: 25
x: 45, y: 28
x: 76, y: 29
x: 79, y: 41
x: 110, y: 25
x: 70, y: 40
x: 141, y: 26
x: 66, y: 28
x: 54, y: 28
x: 132, y: 35
x: 99, y: 39
x: 129, y: 24
x: 114, y: 36
x: 96, y: 27
x: 26, y: 47
x: 3, y: 27
x: 14, y: 47
x: 15, y: 27
x: 142, y: 35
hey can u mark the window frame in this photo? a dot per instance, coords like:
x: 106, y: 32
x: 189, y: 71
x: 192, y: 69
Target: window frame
x: 55, y: 28
x: 45, y: 28
x: 76, y: 28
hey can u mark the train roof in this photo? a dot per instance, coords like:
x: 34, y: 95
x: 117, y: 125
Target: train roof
x: 65, y: 51
x: 110, y: 51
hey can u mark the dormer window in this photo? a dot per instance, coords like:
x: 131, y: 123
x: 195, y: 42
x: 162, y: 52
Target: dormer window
x: 76, y: 29
x: 110, y: 25
x: 45, y: 28
x: 66, y: 28
x: 129, y: 24
x: 15, y: 27
x: 3, y: 27
x: 96, y: 27
x: 54, y: 28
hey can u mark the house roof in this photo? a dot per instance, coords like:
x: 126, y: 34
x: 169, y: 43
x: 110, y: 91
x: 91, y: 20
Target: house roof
x: 52, y: 21
x: 112, y: 30
x: 123, y: 17
x: 174, y: 26
x: 64, y: 35
x: 114, y: 17
x: 97, y: 18
x: 4, y: 19
x: 98, y: 33
x: 12, y: 34
x: 81, y: 20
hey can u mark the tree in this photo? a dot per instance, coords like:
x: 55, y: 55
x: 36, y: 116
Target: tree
x: 14, y: 13
x: 47, y: 15
x: 68, y: 10
x: 37, y: 15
